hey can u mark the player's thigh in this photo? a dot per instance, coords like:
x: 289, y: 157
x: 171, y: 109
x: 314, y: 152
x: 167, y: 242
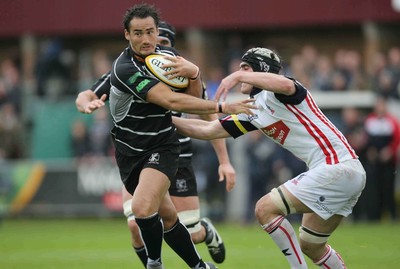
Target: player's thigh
x: 299, y: 206
x: 315, y: 223
x: 185, y: 203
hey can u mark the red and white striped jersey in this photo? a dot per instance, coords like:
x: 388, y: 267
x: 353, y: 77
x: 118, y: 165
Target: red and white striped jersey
x: 297, y: 124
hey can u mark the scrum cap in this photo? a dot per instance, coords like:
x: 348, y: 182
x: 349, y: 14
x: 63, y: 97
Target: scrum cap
x: 168, y: 31
x: 262, y: 60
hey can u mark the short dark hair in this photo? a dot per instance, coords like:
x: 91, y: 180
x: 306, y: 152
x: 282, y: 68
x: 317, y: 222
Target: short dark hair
x: 141, y: 11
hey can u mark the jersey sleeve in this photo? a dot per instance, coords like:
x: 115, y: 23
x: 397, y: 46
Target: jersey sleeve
x: 295, y: 99
x: 129, y: 78
x: 102, y: 86
x: 237, y: 125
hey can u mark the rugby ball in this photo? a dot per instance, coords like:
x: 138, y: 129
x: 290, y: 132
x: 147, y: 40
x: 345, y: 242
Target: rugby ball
x: 154, y: 63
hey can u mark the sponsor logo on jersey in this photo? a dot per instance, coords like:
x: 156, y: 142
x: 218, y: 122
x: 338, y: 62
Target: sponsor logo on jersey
x: 277, y: 131
x: 142, y: 85
x: 154, y: 158
x: 133, y: 78
x: 320, y: 204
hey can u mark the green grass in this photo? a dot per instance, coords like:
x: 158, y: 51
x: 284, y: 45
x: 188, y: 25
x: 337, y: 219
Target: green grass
x: 105, y: 244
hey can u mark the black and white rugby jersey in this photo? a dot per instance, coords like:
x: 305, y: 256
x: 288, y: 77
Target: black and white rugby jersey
x: 102, y: 86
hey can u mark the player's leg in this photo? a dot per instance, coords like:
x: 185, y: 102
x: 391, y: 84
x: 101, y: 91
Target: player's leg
x: 184, y: 195
x: 270, y: 212
x: 178, y: 237
x: 189, y: 214
x: 201, y: 230
x: 325, y: 194
x: 136, y: 240
x: 149, y: 193
x: 314, y: 235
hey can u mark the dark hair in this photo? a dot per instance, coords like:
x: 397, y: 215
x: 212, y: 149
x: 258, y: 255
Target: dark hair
x: 141, y: 11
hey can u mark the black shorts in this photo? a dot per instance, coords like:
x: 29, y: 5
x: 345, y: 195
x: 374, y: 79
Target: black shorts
x: 184, y: 183
x: 164, y: 160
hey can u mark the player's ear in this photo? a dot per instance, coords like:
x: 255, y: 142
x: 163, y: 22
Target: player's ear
x: 126, y: 33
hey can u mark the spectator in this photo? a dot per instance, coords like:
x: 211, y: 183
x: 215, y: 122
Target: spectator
x: 11, y: 144
x: 394, y: 70
x: 297, y: 70
x: 79, y: 140
x: 383, y: 132
x: 377, y: 66
x: 353, y: 130
x: 322, y: 79
x: 53, y: 70
x: 310, y: 57
x: 339, y: 81
x: 353, y: 67
x: 10, y: 88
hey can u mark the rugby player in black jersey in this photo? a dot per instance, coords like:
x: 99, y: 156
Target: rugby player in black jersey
x: 183, y: 189
x: 147, y: 147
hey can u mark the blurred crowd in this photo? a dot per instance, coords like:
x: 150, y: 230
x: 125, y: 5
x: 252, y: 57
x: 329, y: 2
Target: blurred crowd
x: 374, y: 133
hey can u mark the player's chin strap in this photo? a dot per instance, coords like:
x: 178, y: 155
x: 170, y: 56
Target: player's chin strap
x: 255, y: 91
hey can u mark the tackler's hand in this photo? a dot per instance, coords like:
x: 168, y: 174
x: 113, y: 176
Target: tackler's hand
x: 243, y: 106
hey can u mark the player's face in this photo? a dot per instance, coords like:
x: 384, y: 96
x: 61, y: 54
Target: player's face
x: 142, y: 35
x: 163, y: 41
x: 245, y: 87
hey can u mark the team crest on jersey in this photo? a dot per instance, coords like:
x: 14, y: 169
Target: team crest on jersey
x: 277, y: 131
x: 181, y: 185
x: 154, y: 158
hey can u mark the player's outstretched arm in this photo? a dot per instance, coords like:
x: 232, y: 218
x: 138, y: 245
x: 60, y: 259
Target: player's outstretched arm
x: 87, y: 101
x: 262, y: 80
x: 200, y: 129
x: 161, y: 95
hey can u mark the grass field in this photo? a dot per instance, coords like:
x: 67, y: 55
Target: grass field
x: 105, y: 244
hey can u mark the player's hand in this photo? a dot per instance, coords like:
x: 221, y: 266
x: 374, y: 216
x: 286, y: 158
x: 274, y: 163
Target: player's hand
x: 227, y: 173
x: 95, y: 104
x: 180, y: 67
x: 239, y: 107
x: 226, y: 85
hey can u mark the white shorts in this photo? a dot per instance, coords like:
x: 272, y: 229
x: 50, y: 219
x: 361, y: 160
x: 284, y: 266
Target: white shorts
x: 330, y: 189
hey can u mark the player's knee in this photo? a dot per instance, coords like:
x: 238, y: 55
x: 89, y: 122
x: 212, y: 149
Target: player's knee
x: 275, y: 202
x: 312, y: 243
x: 263, y: 209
